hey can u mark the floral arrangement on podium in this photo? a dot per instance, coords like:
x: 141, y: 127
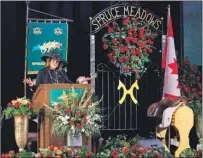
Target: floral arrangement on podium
x: 129, y: 45
x: 75, y: 115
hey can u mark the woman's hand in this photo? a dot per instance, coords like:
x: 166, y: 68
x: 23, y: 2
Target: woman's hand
x: 83, y: 80
x: 29, y: 82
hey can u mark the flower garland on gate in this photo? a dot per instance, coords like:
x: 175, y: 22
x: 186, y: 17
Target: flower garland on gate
x: 130, y: 45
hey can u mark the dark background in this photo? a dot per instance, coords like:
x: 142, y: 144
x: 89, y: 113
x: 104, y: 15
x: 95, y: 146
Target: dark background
x: 13, y: 44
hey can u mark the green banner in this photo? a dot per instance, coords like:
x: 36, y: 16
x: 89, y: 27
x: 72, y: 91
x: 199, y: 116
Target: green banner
x: 38, y: 35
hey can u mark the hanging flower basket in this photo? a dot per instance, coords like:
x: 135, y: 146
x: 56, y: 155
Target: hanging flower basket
x: 129, y: 45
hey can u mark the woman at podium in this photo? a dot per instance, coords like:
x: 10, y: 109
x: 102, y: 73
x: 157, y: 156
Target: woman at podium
x: 53, y: 73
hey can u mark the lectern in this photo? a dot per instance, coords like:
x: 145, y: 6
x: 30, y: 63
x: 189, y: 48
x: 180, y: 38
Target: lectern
x: 44, y: 94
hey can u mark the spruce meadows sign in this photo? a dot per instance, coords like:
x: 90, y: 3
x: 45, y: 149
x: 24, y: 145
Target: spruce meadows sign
x: 115, y: 12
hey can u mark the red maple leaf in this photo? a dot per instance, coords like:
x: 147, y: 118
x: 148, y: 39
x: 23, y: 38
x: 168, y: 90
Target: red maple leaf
x: 174, y: 67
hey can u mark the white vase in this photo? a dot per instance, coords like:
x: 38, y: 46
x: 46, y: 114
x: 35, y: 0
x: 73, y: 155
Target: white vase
x: 74, y: 140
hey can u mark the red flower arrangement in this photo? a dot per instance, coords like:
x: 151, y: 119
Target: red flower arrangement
x: 74, y: 114
x: 20, y: 106
x: 129, y: 46
x: 191, y: 85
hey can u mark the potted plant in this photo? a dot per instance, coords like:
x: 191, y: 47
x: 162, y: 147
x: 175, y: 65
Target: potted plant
x: 75, y: 115
x: 21, y: 109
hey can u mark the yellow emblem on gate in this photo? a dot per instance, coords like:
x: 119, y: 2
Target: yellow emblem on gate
x: 130, y: 91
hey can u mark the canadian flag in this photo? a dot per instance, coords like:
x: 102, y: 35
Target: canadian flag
x: 171, y: 84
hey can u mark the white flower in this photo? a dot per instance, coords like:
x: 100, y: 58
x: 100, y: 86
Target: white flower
x: 24, y: 102
x: 83, y: 129
x: 67, y: 117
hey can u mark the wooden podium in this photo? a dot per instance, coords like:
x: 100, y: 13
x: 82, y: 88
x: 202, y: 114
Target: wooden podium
x: 41, y: 97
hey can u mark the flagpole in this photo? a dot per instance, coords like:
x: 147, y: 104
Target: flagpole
x: 25, y: 68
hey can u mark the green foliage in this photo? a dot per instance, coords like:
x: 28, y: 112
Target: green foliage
x: 191, y: 153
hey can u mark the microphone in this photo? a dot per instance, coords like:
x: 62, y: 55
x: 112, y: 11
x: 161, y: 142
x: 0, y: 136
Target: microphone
x: 64, y: 75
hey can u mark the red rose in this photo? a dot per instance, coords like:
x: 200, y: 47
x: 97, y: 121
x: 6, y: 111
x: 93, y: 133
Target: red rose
x: 148, y: 148
x: 126, y: 59
x: 145, y: 50
x: 199, y: 93
x: 49, y: 155
x: 51, y: 148
x: 134, y: 34
x: 31, y: 105
x: 193, y: 89
x: 71, y: 122
x: 127, y: 40
x: 134, y: 147
x: 9, y: 104
x: 133, y: 52
x: 114, y: 58
x: 134, y: 40
x: 75, y: 102
x: 84, y: 120
x: 79, y: 125
x: 125, y: 150
x: 120, y: 60
x: 142, y: 45
x: 109, y: 56
x: 125, y: 68
x: 41, y: 154
x: 134, y: 21
x: 118, y: 29
x: 114, y: 23
x: 105, y: 47
x: 142, y: 150
x: 125, y: 22
x: 150, y: 50
x: 17, y: 104
x: 88, y: 154
x: 68, y: 110
x: 62, y: 147
x: 110, y: 30
x: 77, y: 114
x: 122, y: 49
x: 59, y: 106
x: 78, y: 156
x: 130, y: 33
x: 198, y: 78
x: 190, y: 98
x: 106, y: 25
x: 115, y: 42
x: 141, y: 30
x: 127, y: 18
x: 114, y: 153
x: 83, y: 113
